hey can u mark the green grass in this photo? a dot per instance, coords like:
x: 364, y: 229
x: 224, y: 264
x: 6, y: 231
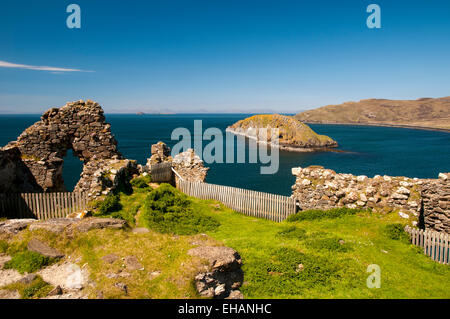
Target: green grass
x: 27, y: 261
x: 167, y: 210
x: 334, y: 250
x: 141, y: 182
x: 38, y: 288
x: 312, y: 214
x: 314, y: 254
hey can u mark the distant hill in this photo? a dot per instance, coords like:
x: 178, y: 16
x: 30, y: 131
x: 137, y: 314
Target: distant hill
x: 293, y: 134
x: 424, y: 113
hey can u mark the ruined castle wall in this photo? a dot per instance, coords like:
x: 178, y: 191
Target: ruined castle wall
x: 436, y: 203
x: 187, y: 164
x: 15, y: 176
x: 319, y: 188
x: 79, y: 126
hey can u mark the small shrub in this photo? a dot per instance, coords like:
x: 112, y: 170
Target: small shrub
x: 292, y: 232
x: 331, y: 244
x: 27, y: 261
x: 110, y: 204
x: 3, y: 246
x: 396, y: 231
x: 141, y: 181
x: 313, y: 214
x: 169, y: 211
x: 37, y: 289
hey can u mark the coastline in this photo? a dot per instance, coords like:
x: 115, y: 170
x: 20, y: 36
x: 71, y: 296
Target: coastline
x: 413, y: 127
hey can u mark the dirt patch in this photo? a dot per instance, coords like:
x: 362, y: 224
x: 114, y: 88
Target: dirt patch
x: 9, y: 276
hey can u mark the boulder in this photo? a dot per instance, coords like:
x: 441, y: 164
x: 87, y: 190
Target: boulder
x: 42, y: 248
x: 55, y: 225
x: 28, y: 279
x: 223, y: 273
x: 89, y: 223
x: 13, y: 226
x: 133, y: 263
x: 110, y: 258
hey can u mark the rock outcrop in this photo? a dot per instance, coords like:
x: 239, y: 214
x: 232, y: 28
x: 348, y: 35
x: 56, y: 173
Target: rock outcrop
x: 224, y: 275
x: 425, y: 202
x: 42, y: 248
x: 190, y: 167
x: 59, y: 225
x: 79, y: 126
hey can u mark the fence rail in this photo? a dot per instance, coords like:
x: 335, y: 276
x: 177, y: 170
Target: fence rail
x: 41, y: 205
x: 252, y: 203
x: 434, y: 244
x: 161, y: 172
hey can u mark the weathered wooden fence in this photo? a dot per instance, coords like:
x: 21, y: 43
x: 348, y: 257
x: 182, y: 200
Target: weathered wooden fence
x: 434, y: 244
x: 161, y: 172
x: 252, y: 203
x: 41, y: 205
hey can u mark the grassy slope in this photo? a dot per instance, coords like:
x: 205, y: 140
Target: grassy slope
x: 432, y: 113
x: 405, y: 271
x: 270, y: 259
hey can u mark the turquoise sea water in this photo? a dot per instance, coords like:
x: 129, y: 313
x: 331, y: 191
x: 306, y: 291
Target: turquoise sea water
x: 371, y: 150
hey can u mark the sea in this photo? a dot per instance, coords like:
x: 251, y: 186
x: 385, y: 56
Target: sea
x: 366, y: 150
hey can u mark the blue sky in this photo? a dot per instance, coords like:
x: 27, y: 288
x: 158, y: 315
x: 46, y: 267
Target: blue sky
x: 221, y: 55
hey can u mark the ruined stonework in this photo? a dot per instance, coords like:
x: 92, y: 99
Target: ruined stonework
x: 319, y: 188
x: 187, y: 164
x: 15, y: 176
x: 190, y: 166
x: 79, y: 126
x: 436, y: 203
x: 160, y: 153
x: 101, y: 177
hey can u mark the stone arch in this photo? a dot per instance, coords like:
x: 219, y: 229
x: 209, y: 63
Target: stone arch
x: 79, y: 126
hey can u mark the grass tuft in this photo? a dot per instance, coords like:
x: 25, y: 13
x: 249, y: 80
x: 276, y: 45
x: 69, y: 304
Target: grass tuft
x: 396, y: 231
x: 141, y: 181
x: 313, y: 214
x: 27, y: 261
x: 292, y: 232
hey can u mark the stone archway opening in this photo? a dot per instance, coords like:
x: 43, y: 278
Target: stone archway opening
x: 71, y: 170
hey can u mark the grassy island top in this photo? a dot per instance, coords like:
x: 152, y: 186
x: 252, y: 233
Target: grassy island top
x: 293, y: 133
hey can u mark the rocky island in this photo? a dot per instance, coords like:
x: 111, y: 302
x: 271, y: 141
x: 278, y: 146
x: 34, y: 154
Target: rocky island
x: 293, y: 134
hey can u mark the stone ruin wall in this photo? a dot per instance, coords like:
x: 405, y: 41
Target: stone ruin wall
x: 424, y: 202
x: 15, y: 176
x: 41, y: 148
x: 187, y: 164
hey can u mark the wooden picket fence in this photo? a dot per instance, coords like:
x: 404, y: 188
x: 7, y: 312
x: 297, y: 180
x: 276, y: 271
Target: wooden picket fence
x: 41, y: 205
x: 434, y: 244
x: 258, y: 204
x: 161, y: 172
